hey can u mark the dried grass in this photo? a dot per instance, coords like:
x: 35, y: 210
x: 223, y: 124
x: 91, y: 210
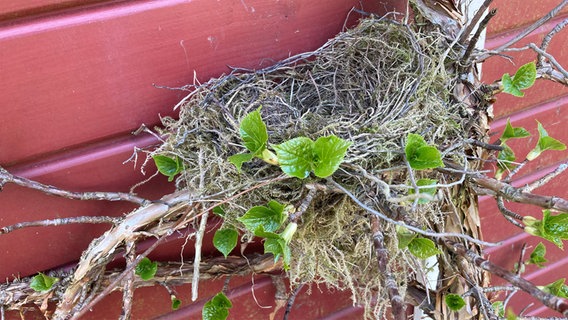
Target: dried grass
x: 371, y: 85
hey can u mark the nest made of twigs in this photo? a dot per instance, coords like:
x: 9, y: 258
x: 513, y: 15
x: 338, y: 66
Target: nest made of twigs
x: 371, y: 85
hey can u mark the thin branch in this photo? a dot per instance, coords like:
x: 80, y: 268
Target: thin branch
x: 464, y: 61
x: 549, y: 36
x: 290, y: 302
x: 515, y: 171
x: 128, y: 288
x: 511, y: 193
x: 469, y: 28
x: 59, y: 222
x: 547, y: 299
x: 113, y: 285
x: 506, y: 212
x: 550, y: 58
x: 527, y: 31
x: 427, y: 233
x: 484, y: 145
x: 16, y: 294
x: 197, y: 258
x: 7, y: 177
x: 544, y: 180
x: 305, y: 204
x: 398, y: 307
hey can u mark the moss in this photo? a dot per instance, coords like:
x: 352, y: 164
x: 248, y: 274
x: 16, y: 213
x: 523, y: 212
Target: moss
x: 371, y: 85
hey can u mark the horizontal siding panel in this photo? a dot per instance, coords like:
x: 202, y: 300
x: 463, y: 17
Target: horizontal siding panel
x: 552, y: 115
x: 514, y: 14
x: 91, y: 73
x: 10, y: 10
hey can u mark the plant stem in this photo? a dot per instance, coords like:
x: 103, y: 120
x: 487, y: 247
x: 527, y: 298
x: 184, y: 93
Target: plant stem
x: 6, y: 177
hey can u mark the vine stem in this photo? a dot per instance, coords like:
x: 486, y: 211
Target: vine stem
x: 547, y: 299
x: 7, y: 177
x: 427, y: 233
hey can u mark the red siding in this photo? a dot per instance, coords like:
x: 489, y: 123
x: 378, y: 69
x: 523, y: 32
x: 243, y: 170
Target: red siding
x: 78, y: 77
x: 546, y: 102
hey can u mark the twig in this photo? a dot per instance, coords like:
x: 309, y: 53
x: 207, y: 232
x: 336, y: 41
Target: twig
x: 199, y: 235
x: 484, y: 145
x: 291, y: 300
x: 427, y: 233
x: 547, y: 299
x: 544, y: 180
x: 7, y: 177
x: 499, y: 288
x: 506, y: 212
x: 550, y: 58
x: 527, y: 31
x: 511, y: 193
x: 109, y: 288
x: 469, y: 28
x: 548, y: 38
x: 128, y: 291
x: 59, y: 222
x: 197, y: 259
x: 14, y: 295
x: 305, y: 203
x: 464, y: 61
x: 515, y: 171
x: 398, y: 307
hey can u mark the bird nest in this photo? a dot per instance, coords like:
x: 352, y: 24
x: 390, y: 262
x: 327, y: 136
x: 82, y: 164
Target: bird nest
x: 372, y: 86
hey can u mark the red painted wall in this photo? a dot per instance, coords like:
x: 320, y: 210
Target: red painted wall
x: 79, y: 76
x: 546, y: 102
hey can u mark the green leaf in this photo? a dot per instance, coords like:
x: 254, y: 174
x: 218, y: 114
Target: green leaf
x: 509, y: 87
x: 423, y: 248
x: 511, y: 315
x: 218, y: 210
x: 505, y: 161
x: 328, y: 155
x: 525, y: 76
x: 428, y: 191
x: 404, y: 236
x: 454, y: 301
x: 176, y: 303
x: 217, y: 308
x: 296, y: 156
x: 557, y: 288
x: 499, y: 308
x: 253, y: 132
x: 551, y: 228
x: 42, y: 282
x: 239, y: 159
x: 270, y: 218
x: 554, y: 228
x: 511, y: 132
x: 523, y: 79
x: 225, y: 240
x: 276, y: 244
x: 506, y: 158
x: 537, y: 256
x: 146, y: 269
x: 420, y: 155
x: 289, y: 232
x: 545, y: 142
x: 168, y: 166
